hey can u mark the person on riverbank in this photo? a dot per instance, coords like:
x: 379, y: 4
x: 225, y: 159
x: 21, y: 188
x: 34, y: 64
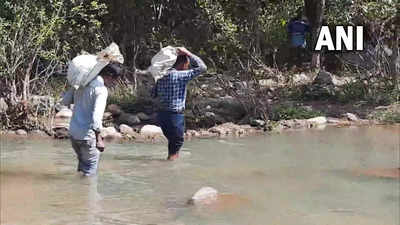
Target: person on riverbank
x: 171, y: 91
x: 297, y: 29
x: 89, y: 105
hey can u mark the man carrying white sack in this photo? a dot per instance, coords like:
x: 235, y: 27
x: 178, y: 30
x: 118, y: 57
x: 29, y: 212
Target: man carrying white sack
x: 89, y: 98
x: 171, y: 91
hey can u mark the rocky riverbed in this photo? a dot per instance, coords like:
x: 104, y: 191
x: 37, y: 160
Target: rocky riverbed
x: 224, y: 107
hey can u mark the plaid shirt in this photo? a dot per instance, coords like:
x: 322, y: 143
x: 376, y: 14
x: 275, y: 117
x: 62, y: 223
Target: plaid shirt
x: 171, y: 89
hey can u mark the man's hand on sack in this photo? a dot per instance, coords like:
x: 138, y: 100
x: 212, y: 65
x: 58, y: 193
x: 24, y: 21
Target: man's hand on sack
x: 183, y: 51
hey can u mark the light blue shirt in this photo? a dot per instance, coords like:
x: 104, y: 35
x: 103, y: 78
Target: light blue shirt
x: 89, y: 105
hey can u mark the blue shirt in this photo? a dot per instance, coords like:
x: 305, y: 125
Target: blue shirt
x: 89, y: 105
x: 171, y: 88
x: 297, y: 30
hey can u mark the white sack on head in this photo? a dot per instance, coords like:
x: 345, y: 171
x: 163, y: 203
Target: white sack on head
x: 162, y: 61
x: 84, y: 68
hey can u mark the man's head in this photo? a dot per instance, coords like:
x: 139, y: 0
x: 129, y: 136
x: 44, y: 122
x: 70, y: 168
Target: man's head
x: 182, y: 62
x: 110, y: 74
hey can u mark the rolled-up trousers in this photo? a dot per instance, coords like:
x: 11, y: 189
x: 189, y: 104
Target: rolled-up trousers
x: 88, y: 155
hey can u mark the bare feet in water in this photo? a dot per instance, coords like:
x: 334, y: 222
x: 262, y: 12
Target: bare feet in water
x: 173, y: 157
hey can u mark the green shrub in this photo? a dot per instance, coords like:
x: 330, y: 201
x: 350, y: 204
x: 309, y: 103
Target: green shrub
x: 290, y: 112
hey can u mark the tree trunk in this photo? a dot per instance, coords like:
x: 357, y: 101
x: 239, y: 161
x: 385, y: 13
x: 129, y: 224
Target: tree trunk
x: 394, y: 68
x: 315, y: 13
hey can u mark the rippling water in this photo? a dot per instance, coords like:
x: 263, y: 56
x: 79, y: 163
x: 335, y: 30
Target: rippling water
x: 308, y: 177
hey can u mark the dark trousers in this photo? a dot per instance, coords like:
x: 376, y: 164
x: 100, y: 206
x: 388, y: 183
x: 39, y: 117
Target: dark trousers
x: 173, y: 127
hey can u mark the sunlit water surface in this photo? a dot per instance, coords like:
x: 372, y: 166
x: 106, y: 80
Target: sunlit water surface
x: 295, y: 178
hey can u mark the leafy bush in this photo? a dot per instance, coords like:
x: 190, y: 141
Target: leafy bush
x: 290, y: 112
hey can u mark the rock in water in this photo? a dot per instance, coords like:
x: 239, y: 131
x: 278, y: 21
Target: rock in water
x: 205, y: 195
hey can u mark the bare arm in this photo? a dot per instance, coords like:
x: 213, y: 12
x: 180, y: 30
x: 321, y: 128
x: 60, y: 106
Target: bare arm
x: 98, y: 111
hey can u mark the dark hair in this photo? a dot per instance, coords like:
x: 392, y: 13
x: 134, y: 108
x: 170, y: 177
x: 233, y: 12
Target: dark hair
x: 112, y: 69
x: 182, y: 59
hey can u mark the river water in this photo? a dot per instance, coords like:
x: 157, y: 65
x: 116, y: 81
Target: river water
x: 302, y: 177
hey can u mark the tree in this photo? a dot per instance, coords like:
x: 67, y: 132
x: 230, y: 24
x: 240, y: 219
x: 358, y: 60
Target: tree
x: 38, y: 36
x: 314, y: 10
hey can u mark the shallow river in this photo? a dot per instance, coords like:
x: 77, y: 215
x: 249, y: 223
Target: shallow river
x: 295, y: 178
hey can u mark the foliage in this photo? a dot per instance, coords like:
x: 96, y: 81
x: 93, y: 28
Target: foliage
x: 38, y: 37
x: 235, y: 37
x: 390, y: 115
x: 291, y: 112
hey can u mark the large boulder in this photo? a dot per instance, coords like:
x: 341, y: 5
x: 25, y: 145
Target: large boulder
x: 128, y: 131
x: 225, y: 108
x: 143, y: 116
x: 62, y: 119
x: 151, y: 130
x: 152, y: 133
x: 114, y: 109
x: 128, y: 118
x: 110, y: 133
x: 318, y: 120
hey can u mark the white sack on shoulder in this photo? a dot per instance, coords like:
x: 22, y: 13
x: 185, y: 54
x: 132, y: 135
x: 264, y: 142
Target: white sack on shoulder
x: 84, y: 68
x: 162, y: 61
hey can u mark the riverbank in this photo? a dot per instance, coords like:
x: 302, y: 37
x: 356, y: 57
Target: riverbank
x: 217, y: 106
x: 151, y: 133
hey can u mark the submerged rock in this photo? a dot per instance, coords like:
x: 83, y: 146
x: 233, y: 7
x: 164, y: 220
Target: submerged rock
x: 205, y: 195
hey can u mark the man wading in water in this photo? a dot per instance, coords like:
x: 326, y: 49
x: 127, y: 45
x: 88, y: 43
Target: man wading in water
x: 171, y: 90
x: 89, y: 105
